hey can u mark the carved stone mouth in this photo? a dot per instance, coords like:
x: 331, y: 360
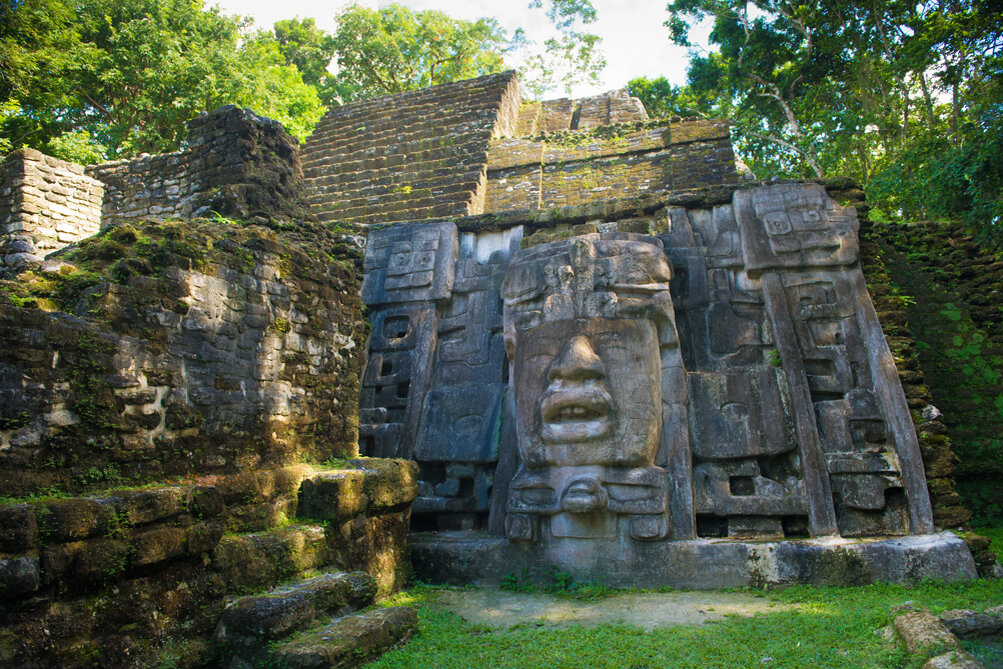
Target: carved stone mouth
x: 575, y: 414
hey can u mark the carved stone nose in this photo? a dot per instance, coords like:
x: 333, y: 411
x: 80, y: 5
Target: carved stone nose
x: 577, y: 362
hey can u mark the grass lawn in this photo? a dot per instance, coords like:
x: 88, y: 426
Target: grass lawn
x: 827, y: 627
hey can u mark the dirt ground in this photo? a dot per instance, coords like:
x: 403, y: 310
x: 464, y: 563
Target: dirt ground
x: 501, y: 609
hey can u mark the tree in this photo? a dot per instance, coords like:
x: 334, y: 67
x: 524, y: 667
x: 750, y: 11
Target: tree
x: 133, y: 73
x: 38, y: 45
x: 663, y: 99
x: 904, y: 97
x: 393, y: 49
x: 311, y: 51
x: 570, y: 57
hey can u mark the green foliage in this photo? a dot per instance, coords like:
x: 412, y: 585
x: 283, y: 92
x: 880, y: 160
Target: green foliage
x: 93, y: 80
x: 104, y: 78
x: 958, y: 347
x: 393, y: 49
x: 662, y: 99
x: 39, y: 46
x: 570, y: 57
x: 311, y: 50
x: 76, y: 146
x: 905, y: 98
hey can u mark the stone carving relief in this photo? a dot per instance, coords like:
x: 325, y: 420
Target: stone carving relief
x: 585, y: 324
x: 727, y: 378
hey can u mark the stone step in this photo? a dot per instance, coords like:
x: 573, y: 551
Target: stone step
x: 290, y: 608
x: 265, y: 558
x: 349, y: 641
x: 308, y: 624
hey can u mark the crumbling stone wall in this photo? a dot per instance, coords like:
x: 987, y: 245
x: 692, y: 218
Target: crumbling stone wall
x: 235, y: 163
x: 178, y: 424
x: 191, y: 348
x: 413, y: 155
x: 948, y: 287
x: 552, y: 116
x: 140, y: 576
x: 577, y: 167
x: 45, y: 204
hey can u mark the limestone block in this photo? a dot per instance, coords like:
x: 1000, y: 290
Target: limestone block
x: 146, y: 506
x: 412, y: 263
x: 967, y: 623
x: 461, y: 423
x: 70, y: 519
x: 18, y: 528
x: 19, y: 576
x: 795, y: 225
x: 285, y: 610
x: 333, y: 495
x: 350, y: 640
x: 955, y: 659
x: 269, y: 556
x: 921, y: 629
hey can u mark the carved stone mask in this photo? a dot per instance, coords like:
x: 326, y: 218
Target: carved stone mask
x: 589, y: 392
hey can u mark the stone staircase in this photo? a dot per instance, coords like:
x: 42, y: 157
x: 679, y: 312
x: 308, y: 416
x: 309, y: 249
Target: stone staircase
x: 419, y: 154
x: 182, y: 559
x: 312, y: 623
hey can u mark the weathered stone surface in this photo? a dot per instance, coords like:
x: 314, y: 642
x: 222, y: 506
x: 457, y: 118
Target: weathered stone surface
x: 377, y: 485
x: 781, y: 414
x: 235, y: 163
x: 18, y: 528
x: 265, y: 558
x: 920, y: 629
x: 588, y: 330
x: 18, y: 576
x: 956, y: 659
x: 967, y: 623
x: 167, y: 375
x: 474, y: 557
x: 287, y: 609
x: 349, y: 641
x: 45, y: 204
x: 409, y: 264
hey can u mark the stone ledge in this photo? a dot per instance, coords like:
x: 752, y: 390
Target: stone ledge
x: 372, y: 485
x: 702, y: 564
x: 349, y: 641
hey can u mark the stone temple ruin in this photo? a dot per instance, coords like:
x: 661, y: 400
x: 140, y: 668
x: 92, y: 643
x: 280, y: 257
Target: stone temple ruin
x: 608, y: 352
x: 614, y: 387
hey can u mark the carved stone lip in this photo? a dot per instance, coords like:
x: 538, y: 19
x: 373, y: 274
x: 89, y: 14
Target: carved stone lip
x: 577, y: 413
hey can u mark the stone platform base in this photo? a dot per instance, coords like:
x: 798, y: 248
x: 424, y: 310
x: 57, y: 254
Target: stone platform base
x: 473, y: 557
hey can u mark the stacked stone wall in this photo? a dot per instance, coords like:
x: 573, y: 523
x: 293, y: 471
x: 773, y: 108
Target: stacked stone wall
x: 140, y: 577
x: 235, y: 163
x: 550, y: 116
x: 949, y: 289
x: 413, y: 155
x: 196, y: 349
x: 577, y: 167
x: 178, y: 409
x: 45, y: 204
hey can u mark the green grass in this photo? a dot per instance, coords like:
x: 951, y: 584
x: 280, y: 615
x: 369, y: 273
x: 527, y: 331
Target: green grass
x: 827, y: 627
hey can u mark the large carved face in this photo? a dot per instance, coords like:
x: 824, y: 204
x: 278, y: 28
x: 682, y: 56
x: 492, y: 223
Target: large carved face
x: 588, y: 392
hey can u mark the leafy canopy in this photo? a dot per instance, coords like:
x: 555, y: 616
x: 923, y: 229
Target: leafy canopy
x: 392, y: 49
x: 905, y: 97
x: 88, y: 80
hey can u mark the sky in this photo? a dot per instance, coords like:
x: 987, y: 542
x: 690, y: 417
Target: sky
x: 635, y: 42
